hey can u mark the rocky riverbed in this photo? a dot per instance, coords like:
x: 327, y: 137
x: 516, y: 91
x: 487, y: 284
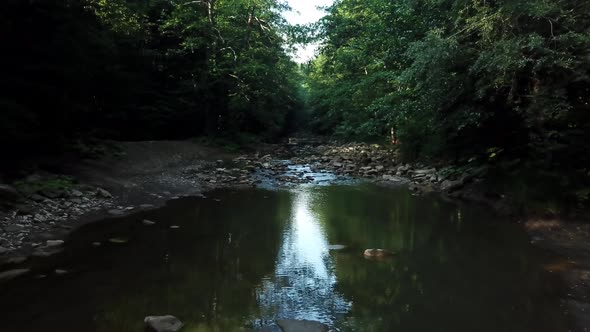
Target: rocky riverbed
x: 35, y: 216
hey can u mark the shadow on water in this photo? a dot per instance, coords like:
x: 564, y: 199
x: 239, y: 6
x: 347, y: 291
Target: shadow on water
x: 241, y: 259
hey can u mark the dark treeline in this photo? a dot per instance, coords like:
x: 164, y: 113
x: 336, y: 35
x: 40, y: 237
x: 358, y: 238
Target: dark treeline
x: 143, y: 69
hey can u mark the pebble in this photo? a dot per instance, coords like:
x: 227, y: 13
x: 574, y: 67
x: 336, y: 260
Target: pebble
x: 118, y: 240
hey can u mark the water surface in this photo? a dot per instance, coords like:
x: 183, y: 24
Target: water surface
x: 241, y: 259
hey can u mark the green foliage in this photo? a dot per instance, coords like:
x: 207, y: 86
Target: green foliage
x: 57, y: 183
x: 498, y: 80
x: 456, y: 77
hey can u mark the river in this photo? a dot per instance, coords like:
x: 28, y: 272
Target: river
x: 239, y: 259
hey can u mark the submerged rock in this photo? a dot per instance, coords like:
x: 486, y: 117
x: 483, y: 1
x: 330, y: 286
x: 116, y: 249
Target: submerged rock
x: 377, y: 253
x: 148, y: 222
x: 294, y: 325
x: 166, y: 323
x: 118, y: 240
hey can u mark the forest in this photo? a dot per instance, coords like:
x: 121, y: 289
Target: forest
x: 177, y: 165
x: 453, y: 80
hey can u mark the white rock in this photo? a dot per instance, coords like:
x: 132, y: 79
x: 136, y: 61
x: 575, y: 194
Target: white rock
x: 167, y: 323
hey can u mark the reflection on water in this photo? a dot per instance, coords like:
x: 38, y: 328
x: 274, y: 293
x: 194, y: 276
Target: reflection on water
x: 303, y: 284
x: 241, y: 259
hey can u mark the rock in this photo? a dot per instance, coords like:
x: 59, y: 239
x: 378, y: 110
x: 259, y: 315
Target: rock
x: 118, y: 240
x: 391, y: 178
x: 76, y: 201
x: 148, y: 222
x: 11, y: 274
x: 294, y: 325
x: 424, y: 171
x: 336, y: 247
x: 3, y: 250
x: 8, y: 193
x: 166, y: 323
x: 96, y: 244
x: 76, y: 193
x: 174, y: 227
x: 103, y: 193
x: 54, y: 243
x: 377, y: 253
x: 116, y: 212
x: 39, y: 218
x: 146, y: 206
x: 60, y: 272
x: 449, y: 185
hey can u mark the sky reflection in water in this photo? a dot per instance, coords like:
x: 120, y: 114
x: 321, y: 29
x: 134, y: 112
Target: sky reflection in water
x: 303, y: 284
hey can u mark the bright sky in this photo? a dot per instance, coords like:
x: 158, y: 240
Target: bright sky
x: 306, y: 11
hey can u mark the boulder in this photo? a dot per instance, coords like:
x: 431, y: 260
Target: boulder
x: 167, y: 323
x: 295, y: 325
